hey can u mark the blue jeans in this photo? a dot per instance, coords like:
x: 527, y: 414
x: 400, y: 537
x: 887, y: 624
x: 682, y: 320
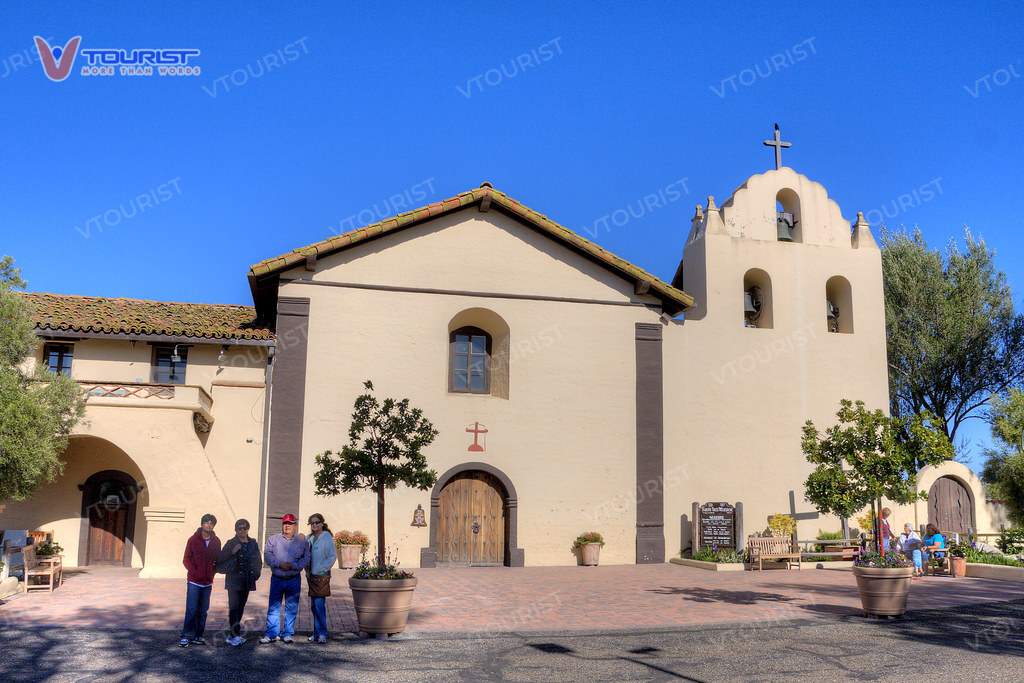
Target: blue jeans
x: 916, y: 556
x: 318, y: 606
x: 197, y: 602
x: 885, y: 544
x: 289, y: 590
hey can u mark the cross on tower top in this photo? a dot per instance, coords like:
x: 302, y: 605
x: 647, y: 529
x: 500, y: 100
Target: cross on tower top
x: 778, y: 145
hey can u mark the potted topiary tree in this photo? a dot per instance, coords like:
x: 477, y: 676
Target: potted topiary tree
x: 351, y: 545
x: 384, y: 450
x: 865, y: 456
x: 589, y: 545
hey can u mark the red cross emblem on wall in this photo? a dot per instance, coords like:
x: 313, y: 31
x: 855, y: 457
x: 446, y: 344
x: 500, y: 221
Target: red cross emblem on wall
x: 476, y: 430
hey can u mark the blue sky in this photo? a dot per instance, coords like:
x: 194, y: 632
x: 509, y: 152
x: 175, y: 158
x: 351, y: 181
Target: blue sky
x: 312, y: 118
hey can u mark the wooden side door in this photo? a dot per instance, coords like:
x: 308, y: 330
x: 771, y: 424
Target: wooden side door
x: 106, y: 534
x: 949, y: 506
x: 471, y: 529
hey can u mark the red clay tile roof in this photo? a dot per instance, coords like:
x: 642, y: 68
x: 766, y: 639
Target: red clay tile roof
x: 136, y: 316
x: 664, y: 291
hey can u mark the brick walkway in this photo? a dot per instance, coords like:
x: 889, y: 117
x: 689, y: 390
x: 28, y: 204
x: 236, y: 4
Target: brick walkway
x: 497, y: 599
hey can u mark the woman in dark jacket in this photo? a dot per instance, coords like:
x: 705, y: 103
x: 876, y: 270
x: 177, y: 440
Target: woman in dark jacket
x: 241, y: 563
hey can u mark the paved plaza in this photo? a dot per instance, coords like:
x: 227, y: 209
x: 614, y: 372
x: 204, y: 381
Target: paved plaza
x: 503, y: 599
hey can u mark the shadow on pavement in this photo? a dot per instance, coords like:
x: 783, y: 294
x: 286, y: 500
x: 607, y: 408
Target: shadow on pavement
x: 722, y: 595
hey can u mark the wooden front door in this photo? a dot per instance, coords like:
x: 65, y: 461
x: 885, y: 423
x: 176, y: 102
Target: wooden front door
x: 949, y: 506
x: 471, y: 521
x: 106, y: 533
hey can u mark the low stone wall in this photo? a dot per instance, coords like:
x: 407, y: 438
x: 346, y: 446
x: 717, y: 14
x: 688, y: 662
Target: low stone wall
x: 999, y: 572
x: 737, y: 567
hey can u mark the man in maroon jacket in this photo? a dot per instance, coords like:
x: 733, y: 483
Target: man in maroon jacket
x: 200, y: 553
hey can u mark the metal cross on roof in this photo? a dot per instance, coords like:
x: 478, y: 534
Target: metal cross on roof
x: 778, y: 145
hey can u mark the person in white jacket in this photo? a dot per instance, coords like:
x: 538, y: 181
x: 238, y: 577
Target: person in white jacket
x: 910, y: 544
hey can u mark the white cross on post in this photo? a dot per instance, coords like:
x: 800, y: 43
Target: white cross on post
x: 778, y: 145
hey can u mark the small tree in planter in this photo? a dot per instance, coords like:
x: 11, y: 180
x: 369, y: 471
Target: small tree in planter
x: 384, y: 450
x: 385, y: 440
x: 869, y: 455
x: 866, y: 456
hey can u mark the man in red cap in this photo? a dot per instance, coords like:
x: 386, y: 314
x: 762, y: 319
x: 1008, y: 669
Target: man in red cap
x: 287, y: 554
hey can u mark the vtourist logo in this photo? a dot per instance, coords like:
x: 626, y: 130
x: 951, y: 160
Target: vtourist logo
x: 58, y: 61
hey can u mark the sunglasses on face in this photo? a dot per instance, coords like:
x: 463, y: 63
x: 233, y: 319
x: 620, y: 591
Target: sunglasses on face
x: 315, y: 522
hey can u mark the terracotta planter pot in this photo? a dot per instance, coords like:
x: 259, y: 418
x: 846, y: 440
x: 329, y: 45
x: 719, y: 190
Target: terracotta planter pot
x: 589, y: 554
x: 883, y: 591
x: 959, y: 567
x: 348, y: 555
x: 382, y: 605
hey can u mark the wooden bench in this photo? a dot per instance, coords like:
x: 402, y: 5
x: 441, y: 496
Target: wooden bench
x: 773, y: 548
x: 50, y: 567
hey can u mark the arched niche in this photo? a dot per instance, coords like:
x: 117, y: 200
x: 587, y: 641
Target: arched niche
x: 514, y: 555
x: 495, y: 326
x: 788, y: 201
x: 757, y: 281
x: 839, y: 300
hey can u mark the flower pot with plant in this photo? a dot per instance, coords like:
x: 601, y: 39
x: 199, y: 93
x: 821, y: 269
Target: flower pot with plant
x: 958, y: 559
x: 884, y: 583
x: 589, y: 545
x: 382, y: 595
x: 385, y: 440
x: 48, y: 548
x: 351, y: 545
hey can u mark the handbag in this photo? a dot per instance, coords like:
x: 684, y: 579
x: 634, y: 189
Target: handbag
x: 319, y: 585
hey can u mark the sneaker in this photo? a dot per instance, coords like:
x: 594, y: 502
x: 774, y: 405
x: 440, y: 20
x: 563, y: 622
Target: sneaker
x: 230, y: 640
x: 322, y: 640
x: 239, y: 640
x: 311, y: 639
x: 267, y: 639
x: 286, y: 639
x: 199, y: 640
x: 184, y: 642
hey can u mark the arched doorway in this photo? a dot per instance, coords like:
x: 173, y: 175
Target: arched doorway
x: 950, y: 507
x: 473, y: 519
x: 108, y: 519
x: 472, y: 523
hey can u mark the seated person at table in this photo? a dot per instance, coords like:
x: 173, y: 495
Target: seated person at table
x: 910, y: 544
x: 934, y: 544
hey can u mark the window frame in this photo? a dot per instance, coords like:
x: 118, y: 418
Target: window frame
x: 155, y: 368
x: 65, y: 352
x: 471, y: 332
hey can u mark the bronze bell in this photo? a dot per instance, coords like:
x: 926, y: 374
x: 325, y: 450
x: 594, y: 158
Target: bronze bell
x: 752, y: 303
x: 784, y: 225
x: 833, y: 316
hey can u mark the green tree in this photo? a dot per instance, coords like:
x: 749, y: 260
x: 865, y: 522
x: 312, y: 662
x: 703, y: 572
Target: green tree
x: 384, y: 450
x: 953, y: 338
x: 867, y: 456
x: 1004, y: 464
x: 38, y: 409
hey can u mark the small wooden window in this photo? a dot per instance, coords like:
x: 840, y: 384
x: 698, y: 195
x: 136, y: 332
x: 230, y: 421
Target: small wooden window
x: 58, y: 357
x: 165, y: 370
x: 469, y: 361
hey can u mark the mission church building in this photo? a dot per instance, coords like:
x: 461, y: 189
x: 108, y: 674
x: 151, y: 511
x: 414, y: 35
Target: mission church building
x: 572, y: 390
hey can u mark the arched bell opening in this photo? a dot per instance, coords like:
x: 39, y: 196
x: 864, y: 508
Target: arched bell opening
x: 789, y: 226
x: 757, y: 300
x: 839, y: 305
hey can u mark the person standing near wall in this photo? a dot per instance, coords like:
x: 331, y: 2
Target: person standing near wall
x: 200, y: 554
x: 287, y: 554
x: 318, y: 576
x: 241, y: 565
